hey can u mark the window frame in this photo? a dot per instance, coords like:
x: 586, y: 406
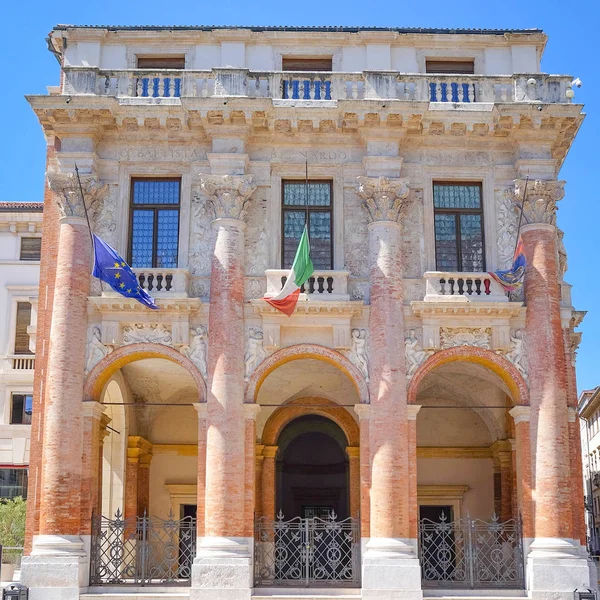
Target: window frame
x: 457, y: 212
x: 328, y: 209
x: 16, y: 352
x: 23, y: 413
x: 154, y: 208
x: 29, y: 237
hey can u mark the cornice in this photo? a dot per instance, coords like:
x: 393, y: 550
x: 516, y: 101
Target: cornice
x: 351, y: 308
x: 119, y: 305
x: 479, y: 309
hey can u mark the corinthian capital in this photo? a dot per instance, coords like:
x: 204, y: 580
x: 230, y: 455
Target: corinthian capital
x: 68, y: 195
x: 383, y: 198
x: 539, y: 203
x: 230, y: 194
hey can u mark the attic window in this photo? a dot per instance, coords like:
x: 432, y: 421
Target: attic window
x: 307, y: 64
x: 161, y: 62
x: 453, y: 67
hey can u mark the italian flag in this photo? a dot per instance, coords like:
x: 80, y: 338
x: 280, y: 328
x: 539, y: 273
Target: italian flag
x: 300, y: 272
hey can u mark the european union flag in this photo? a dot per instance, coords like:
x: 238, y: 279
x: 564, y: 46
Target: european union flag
x: 110, y: 267
x: 512, y: 279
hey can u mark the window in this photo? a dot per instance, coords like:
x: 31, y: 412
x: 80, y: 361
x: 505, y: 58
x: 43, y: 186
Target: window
x: 21, y: 408
x: 31, y: 248
x: 13, y: 483
x: 23, y: 322
x: 451, y: 67
x: 154, y: 223
x: 313, y: 200
x: 458, y: 217
x: 161, y: 62
x: 292, y: 63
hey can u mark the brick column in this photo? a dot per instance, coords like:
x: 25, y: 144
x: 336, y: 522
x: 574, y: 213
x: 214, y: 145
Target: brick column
x: 60, y: 494
x: 521, y: 415
x: 269, y: 494
x: 413, y: 502
x: 251, y: 412
x: 554, y: 565
x: 224, y: 547
x: 353, y: 453
x: 362, y: 410
x: 501, y: 453
x: 137, y: 476
x: 201, y: 476
x: 258, y: 474
x: 389, y: 543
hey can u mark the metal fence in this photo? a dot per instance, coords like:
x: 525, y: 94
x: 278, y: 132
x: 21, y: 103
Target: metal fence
x: 309, y: 552
x: 470, y: 553
x: 142, y: 550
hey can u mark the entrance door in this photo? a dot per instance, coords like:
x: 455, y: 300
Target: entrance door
x: 187, y: 539
x: 438, y: 543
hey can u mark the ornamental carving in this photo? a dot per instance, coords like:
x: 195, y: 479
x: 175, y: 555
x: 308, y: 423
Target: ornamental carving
x: 414, y: 353
x: 201, y: 235
x: 540, y: 204
x: 574, y: 341
x: 508, y: 223
x: 197, y: 350
x: 518, y: 351
x: 95, y: 349
x: 154, y: 333
x: 563, y: 264
x: 383, y: 198
x: 68, y: 194
x: 230, y: 194
x: 358, y: 352
x: 255, y: 352
x: 480, y: 337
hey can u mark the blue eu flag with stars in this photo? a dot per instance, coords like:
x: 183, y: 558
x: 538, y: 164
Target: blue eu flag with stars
x: 110, y: 267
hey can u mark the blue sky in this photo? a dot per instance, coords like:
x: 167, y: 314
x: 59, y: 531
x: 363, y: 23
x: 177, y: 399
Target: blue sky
x: 573, y: 30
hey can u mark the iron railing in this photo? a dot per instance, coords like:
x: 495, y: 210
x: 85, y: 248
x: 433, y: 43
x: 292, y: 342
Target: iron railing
x: 309, y: 552
x: 142, y: 550
x: 470, y: 553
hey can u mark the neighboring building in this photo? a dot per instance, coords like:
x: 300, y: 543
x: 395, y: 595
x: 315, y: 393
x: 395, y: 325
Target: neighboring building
x: 20, y: 242
x: 589, y: 420
x: 407, y: 394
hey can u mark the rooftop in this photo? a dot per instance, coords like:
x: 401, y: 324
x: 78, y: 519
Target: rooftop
x: 21, y: 206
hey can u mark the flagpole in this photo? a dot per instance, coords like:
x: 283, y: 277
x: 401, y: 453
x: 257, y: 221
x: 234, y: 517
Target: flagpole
x: 521, y: 213
x: 306, y: 186
x: 87, y: 217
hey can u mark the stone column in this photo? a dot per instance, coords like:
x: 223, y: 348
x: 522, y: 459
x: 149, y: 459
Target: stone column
x: 58, y: 554
x: 413, y: 501
x: 390, y: 565
x: 269, y: 494
x: 222, y: 568
x: 201, y: 476
x: 554, y: 563
x: 353, y: 453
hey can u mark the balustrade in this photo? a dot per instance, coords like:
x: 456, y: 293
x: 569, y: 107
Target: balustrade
x: 160, y: 282
x: 449, y: 287
x: 316, y: 86
x: 323, y: 285
x: 23, y: 362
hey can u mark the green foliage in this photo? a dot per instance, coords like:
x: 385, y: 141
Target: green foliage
x: 12, y: 528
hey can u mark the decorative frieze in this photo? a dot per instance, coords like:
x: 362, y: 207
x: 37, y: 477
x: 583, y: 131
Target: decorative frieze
x: 414, y: 353
x: 383, y: 197
x: 154, y: 333
x: 539, y: 205
x: 480, y: 337
x: 230, y: 194
x: 197, y: 349
x: 68, y: 194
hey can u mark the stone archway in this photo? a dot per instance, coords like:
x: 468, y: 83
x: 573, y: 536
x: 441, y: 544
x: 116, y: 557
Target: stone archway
x: 304, y: 351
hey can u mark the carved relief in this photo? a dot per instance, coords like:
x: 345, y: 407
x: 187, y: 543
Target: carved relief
x: 104, y: 216
x: 383, y: 198
x: 540, y: 204
x: 414, y: 353
x: 358, y: 352
x: 201, y: 234
x: 256, y: 239
x: 230, y: 194
x: 255, y: 352
x: 95, y: 349
x: 508, y: 223
x: 518, y: 351
x: 155, y: 333
x: 255, y: 287
x: 480, y: 337
x: 68, y: 194
x: 574, y: 341
x: 355, y: 235
x: 197, y: 350
x: 562, y: 254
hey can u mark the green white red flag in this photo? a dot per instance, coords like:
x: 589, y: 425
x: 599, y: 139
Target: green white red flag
x: 301, y: 270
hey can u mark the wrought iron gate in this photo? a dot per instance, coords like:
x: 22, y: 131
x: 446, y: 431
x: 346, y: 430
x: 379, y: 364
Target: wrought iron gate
x: 471, y: 553
x: 142, y: 550
x: 311, y: 552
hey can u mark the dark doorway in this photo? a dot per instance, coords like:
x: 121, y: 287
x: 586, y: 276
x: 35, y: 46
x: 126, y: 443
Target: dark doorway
x: 187, y: 539
x: 312, y: 470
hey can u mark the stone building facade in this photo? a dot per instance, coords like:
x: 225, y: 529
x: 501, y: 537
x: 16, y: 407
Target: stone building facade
x: 410, y: 425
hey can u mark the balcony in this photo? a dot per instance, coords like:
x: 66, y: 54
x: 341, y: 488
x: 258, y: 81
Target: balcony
x: 169, y: 86
x: 322, y: 286
x: 462, y: 287
x: 22, y: 362
x: 171, y: 283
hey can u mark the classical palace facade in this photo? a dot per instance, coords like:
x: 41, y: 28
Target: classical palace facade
x: 411, y: 425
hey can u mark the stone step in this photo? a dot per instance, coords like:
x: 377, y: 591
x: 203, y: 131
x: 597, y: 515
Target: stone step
x: 135, y: 595
x: 306, y: 594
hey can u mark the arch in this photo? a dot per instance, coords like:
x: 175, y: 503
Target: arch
x: 99, y: 376
x: 299, y: 352
x: 494, y: 362
x: 300, y: 407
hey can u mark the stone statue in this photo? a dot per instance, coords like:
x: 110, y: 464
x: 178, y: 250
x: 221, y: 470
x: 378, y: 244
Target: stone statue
x: 255, y: 353
x: 358, y: 352
x: 197, y: 349
x: 517, y: 353
x: 415, y: 355
x: 96, y: 350
x: 562, y: 254
x: 139, y: 333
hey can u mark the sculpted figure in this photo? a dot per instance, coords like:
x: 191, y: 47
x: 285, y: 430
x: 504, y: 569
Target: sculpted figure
x: 517, y: 353
x: 96, y: 350
x: 415, y: 355
x: 255, y: 353
x: 358, y: 352
x: 197, y: 349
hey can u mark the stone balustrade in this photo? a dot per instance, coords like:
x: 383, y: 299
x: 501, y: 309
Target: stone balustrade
x: 22, y: 362
x: 173, y: 283
x: 323, y: 285
x: 443, y: 286
x: 170, y: 85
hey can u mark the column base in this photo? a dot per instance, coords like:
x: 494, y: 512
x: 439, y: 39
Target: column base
x: 391, y: 570
x: 556, y: 568
x: 222, y: 569
x: 57, y: 568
